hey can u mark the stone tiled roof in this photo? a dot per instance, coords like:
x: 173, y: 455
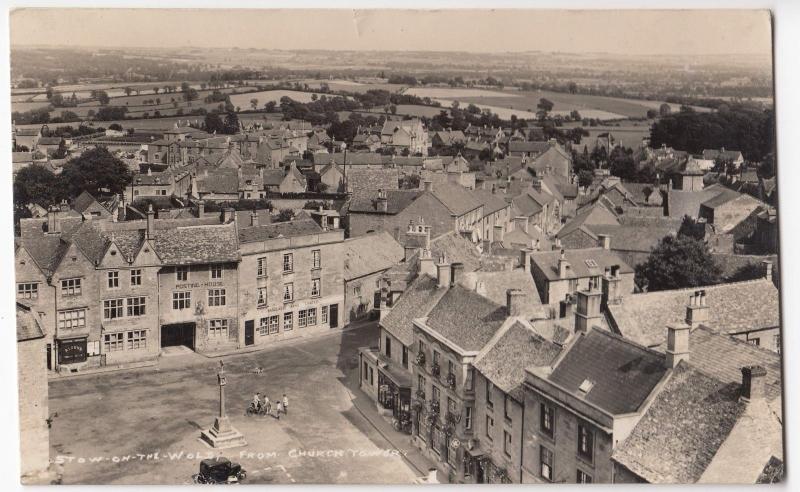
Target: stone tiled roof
x: 397, y: 201
x: 219, y: 181
x: 504, y: 359
x: 623, y: 373
x: 456, y: 198
x: 593, y: 214
x: 682, y: 430
x: 637, y: 238
x: 732, y: 308
x: 457, y: 249
x: 492, y: 202
x: 28, y: 325
x: 369, y: 180
x: 580, y: 261
x: 369, y: 254
x: 292, y: 228
x: 496, y: 283
x: 532, y: 147
x: 417, y: 301
x: 197, y: 244
x: 466, y: 318
x: 680, y: 203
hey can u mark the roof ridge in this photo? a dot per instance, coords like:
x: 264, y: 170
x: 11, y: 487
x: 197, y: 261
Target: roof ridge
x: 735, y: 340
x: 609, y: 334
x: 705, y: 287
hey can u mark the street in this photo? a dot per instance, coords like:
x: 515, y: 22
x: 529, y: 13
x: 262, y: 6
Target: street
x: 143, y: 426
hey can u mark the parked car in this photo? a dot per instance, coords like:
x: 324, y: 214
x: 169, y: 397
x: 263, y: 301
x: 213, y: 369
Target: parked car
x: 219, y: 471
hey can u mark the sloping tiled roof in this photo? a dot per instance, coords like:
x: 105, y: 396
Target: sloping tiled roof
x: 732, y: 308
x: 456, y: 198
x: 532, y: 147
x: 682, y: 430
x: 466, y: 318
x: 84, y: 201
x: 496, y: 283
x: 292, y: 228
x: 369, y: 180
x: 28, y: 326
x: 417, y: 301
x: 492, y: 202
x: 457, y: 249
x: 623, y: 373
x: 197, y: 244
x: 219, y: 181
x: 397, y: 201
x: 580, y: 261
x: 371, y: 253
x: 504, y: 360
x: 638, y: 238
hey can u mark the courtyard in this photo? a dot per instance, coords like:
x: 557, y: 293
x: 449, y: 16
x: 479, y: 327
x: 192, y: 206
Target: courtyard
x: 143, y: 426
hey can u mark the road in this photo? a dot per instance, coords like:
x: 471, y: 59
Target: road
x: 142, y: 426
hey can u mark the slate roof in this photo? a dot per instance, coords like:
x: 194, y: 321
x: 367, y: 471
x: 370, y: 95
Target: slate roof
x: 457, y: 249
x: 504, y: 359
x: 224, y: 181
x: 369, y: 180
x: 28, y: 325
x: 679, y: 434
x: 466, y: 318
x: 638, y: 237
x: 84, y: 201
x: 292, y: 228
x: 547, y: 261
x: 417, y: 301
x: 528, y: 147
x: 397, y: 201
x: 369, y: 254
x: 733, y: 308
x: 197, y: 244
x: 456, y: 198
x: 496, y: 283
x: 624, y: 373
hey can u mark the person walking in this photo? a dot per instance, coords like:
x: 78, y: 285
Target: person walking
x: 257, y: 402
x: 285, y: 404
x: 279, y: 410
x: 267, y: 405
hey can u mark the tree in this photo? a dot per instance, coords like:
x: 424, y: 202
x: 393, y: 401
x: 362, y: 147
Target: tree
x: 270, y: 106
x: 572, y: 87
x: 36, y: 184
x: 545, y: 105
x: 96, y: 171
x: 585, y: 178
x: 285, y: 215
x: 102, y: 97
x: 678, y: 262
x: 156, y: 89
x: 314, y: 97
x: 61, y: 151
x: 651, y: 114
x: 128, y: 91
x: 254, y: 103
x: 664, y: 109
x: 191, y: 94
x: 231, y: 123
x: 213, y: 123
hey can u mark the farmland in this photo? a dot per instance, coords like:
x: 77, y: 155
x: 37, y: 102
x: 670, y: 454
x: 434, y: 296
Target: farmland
x: 524, y: 103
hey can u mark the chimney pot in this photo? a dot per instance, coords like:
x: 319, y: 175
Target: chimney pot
x: 697, y: 310
x: 456, y: 272
x: 254, y: 218
x: 428, y: 185
x: 151, y: 222
x: 443, y: 273
x: 498, y: 233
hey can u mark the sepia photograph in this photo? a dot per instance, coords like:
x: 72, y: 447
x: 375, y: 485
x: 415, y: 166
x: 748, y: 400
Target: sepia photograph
x: 380, y: 246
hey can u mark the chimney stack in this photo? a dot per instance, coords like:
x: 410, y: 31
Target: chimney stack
x: 253, y: 218
x: 456, y: 272
x: 498, y: 233
x: 753, y: 383
x: 604, y: 241
x: 151, y: 222
x: 525, y: 258
x: 426, y: 263
x: 428, y: 185
x: 563, y: 266
x: 383, y: 201
x: 443, y: 272
x: 480, y: 288
x: 53, y: 220
x: 697, y: 310
x: 677, y: 343
x: 228, y: 215
x: 611, y: 281
x: 767, y: 269
x: 514, y: 301
x: 587, y: 309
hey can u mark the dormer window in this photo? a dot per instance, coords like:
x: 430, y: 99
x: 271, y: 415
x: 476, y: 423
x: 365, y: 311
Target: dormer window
x: 586, y: 386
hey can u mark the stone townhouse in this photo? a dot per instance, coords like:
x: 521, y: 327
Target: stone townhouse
x: 33, y: 402
x: 290, y: 280
x: 366, y: 259
x: 494, y: 455
x: 581, y: 406
x: 151, y: 185
x: 559, y: 275
x: 748, y: 311
x: 725, y: 396
x: 496, y: 213
x: 445, y: 208
x: 405, y: 135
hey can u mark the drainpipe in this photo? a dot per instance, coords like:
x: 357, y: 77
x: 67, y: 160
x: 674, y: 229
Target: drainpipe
x: 521, y: 441
x: 55, y: 364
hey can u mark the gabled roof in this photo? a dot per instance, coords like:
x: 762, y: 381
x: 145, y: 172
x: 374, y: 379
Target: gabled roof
x: 466, y: 318
x: 622, y: 373
x: 197, y: 244
x: 363, y: 257
x: 84, y: 201
x: 397, y: 201
x: 29, y: 326
x: 417, y: 301
x: 587, y: 262
x: 492, y: 202
x: 369, y: 180
x: 292, y: 228
x: 733, y: 308
x: 528, y: 147
x: 515, y: 347
x: 223, y: 180
x: 456, y: 198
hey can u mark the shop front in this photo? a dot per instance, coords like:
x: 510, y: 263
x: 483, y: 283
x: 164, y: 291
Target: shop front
x: 394, y: 395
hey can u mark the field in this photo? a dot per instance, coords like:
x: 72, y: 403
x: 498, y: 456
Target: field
x: 523, y: 104
x: 628, y: 134
x: 161, y: 124
x: 243, y: 100
x: 353, y: 86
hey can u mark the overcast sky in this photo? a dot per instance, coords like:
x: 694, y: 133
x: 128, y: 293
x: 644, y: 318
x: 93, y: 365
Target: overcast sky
x: 678, y: 32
